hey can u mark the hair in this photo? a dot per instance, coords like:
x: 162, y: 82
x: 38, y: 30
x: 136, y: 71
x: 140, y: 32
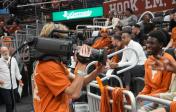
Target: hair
x: 104, y: 30
x: 119, y: 27
x: 130, y: 10
x: 117, y: 37
x: 49, y: 27
x: 16, y: 21
x: 137, y: 26
x: 160, y: 36
x: 173, y: 11
x: 127, y: 29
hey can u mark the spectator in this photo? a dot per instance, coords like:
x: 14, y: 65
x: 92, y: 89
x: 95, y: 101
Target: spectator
x: 129, y: 58
x: 146, y: 25
x: 139, y: 35
x: 156, y: 81
x: 55, y: 4
x: 118, y: 45
x: 117, y: 30
x: 3, y: 28
x: 103, y: 41
x: 172, y: 23
x: 5, y: 83
x: 112, y: 20
x: 167, y: 65
x: 172, y: 29
x: 14, y: 27
x: 130, y: 19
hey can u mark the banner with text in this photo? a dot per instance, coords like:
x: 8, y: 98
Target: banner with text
x: 139, y: 6
x: 77, y: 14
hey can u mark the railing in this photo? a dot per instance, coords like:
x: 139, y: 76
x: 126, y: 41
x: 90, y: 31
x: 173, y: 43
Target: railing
x: 99, y: 21
x: 115, y: 53
x: 152, y: 99
x: 7, y: 3
x: 146, y: 12
x: 94, y: 99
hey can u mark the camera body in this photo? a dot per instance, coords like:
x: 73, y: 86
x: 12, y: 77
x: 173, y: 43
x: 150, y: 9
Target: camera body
x: 63, y: 48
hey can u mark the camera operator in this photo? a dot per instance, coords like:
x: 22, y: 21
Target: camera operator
x: 54, y: 87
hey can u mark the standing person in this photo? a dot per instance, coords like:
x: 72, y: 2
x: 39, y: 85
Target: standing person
x: 54, y: 88
x: 5, y: 81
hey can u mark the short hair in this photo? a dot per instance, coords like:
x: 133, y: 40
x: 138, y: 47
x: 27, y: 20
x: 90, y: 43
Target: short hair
x: 137, y: 26
x: 119, y: 27
x: 160, y: 36
x: 173, y: 11
x: 104, y: 30
x: 117, y: 37
x: 127, y: 29
x: 130, y: 10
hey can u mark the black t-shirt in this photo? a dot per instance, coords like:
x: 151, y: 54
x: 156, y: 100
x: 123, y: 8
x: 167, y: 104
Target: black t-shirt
x: 140, y: 38
x: 172, y: 24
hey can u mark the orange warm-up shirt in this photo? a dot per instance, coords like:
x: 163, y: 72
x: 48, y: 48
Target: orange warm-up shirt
x: 102, y: 42
x: 50, y: 81
x: 117, y: 96
x: 104, y: 103
x: 157, y: 82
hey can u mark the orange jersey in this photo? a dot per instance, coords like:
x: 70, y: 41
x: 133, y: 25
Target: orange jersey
x: 102, y: 42
x: 50, y: 81
x: 158, y: 81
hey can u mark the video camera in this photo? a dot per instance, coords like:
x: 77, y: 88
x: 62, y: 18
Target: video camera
x: 63, y: 48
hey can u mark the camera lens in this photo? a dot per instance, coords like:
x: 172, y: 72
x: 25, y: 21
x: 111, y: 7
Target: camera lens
x: 96, y: 55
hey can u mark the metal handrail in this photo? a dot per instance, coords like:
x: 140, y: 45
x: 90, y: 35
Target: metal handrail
x: 82, y: 27
x: 153, y: 99
x: 111, y: 76
x: 126, y: 92
x: 115, y: 53
x: 146, y: 12
x: 97, y: 26
x: 10, y: 3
